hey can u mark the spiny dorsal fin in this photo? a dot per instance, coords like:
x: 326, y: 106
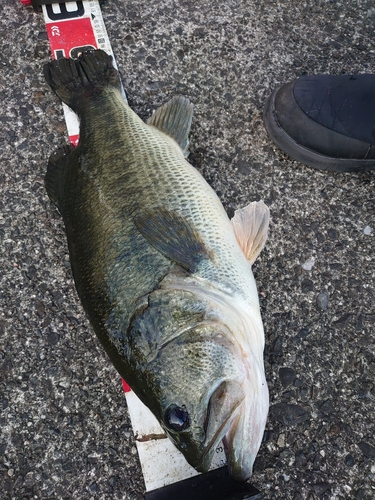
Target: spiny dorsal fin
x: 174, y: 119
x: 174, y: 237
x: 250, y: 226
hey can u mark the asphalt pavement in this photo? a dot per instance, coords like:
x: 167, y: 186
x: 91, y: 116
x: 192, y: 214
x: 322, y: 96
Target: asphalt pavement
x: 65, y: 432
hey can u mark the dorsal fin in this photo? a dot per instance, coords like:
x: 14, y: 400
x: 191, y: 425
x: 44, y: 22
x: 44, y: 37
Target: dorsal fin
x: 174, y: 119
x: 250, y: 226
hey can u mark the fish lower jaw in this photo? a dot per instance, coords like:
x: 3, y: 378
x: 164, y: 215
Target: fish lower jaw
x: 203, y: 463
x: 244, y: 438
x: 203, y: 466
x: 240, y: 474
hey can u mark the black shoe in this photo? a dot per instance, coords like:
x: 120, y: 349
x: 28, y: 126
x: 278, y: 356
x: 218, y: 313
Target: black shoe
x: 326, y: 122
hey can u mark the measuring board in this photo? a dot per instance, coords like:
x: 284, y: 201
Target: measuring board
x: 72, y: 28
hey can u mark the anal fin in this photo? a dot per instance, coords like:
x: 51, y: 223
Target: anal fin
x: 174, y: 119
x: 250, y: 226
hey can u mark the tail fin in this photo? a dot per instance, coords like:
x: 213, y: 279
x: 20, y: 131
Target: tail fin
x: 73, y: 79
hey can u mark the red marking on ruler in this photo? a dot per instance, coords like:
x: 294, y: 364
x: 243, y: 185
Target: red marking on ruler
x: 74, y: 139
x: 68, y: 38
x: 125, y: 386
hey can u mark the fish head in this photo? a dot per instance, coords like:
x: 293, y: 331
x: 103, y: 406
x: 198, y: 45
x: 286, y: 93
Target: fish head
x: 200, y: 384
x: 200, y: 395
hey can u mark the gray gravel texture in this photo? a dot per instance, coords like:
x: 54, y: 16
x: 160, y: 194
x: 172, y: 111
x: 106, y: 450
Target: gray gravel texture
x: 65, y: 430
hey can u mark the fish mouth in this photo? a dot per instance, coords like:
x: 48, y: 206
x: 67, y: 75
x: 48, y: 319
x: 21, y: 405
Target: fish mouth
x: 236, y: 416
x: 223, y: 409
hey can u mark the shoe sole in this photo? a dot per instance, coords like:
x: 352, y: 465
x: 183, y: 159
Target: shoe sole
x: 304, y: 155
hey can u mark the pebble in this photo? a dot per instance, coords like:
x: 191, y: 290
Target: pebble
x: 367, y: 449
x: 309, y: 264
x: 342, y: 321
x: 367, y: 230
x: 288, y: 414
x: 361, y: 494
x: 281, y: 441
x: 307, y: 286
x: 349, y: 460
x: 321, y: 488
x: 322, y: 301
x: 287, y: 376
x: 326, y: 407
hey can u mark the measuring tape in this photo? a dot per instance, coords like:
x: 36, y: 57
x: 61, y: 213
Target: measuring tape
x: 72, y: 28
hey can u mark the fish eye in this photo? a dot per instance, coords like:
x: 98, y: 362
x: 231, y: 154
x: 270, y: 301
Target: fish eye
x: 176, y: 418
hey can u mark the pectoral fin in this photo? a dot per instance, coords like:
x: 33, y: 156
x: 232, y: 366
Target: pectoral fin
x: 250, y: 226
x: 174, y: 119
x: 174, y: 237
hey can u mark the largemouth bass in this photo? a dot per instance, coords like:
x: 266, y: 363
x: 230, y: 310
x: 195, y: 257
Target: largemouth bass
x: 164, y: 276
